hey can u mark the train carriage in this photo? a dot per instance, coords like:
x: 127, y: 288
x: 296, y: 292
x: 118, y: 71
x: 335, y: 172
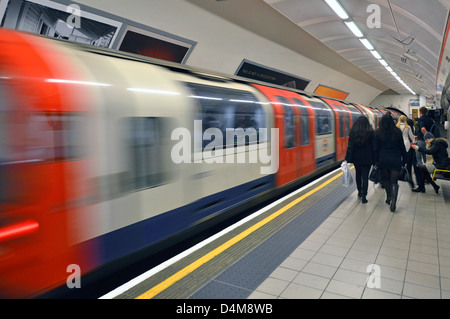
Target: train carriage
x: 104, y: 154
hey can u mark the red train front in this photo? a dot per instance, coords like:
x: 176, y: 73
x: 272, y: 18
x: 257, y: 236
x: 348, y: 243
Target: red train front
x: 39, y: 167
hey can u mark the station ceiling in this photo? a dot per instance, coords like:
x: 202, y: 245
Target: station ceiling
x: 407, y: 34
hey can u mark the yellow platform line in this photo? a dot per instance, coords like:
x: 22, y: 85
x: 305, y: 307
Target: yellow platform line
x: 203, y: 260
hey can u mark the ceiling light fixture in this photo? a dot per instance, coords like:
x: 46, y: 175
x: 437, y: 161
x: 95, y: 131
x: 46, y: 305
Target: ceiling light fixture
x: 353, y: 27
x: 376, y: 55
x: 367, y: 44
x: 383, y: 63
x: 337, y: 8
x: 340, y: 11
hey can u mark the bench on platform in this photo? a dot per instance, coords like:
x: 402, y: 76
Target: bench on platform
x: 441, y: 174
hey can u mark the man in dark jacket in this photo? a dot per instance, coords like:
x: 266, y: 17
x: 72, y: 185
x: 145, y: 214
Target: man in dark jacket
x: 438, y: 149
x: 425, y: 123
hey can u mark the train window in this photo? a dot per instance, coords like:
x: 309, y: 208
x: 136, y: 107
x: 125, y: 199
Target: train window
x: 222, y: 108
x: 289, y: 123
x: 347, y: 123
x: 145, y: 142
x: 341, y: 120
x: 55, y: 136
x: 323, y: 117
x: 354, y: 112
x: 304, y: 122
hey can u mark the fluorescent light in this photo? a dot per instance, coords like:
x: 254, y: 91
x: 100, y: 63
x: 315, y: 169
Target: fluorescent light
x: 337, y: 8
x: 383, y: 63
x: 206, y: 97
x: 367, y: 44
x: 76, y: 82
x: 354, y: 28
x: 389, y: 69
x: 376, y: 55
x: 152, y: 91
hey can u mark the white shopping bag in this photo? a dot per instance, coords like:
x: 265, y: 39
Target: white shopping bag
x: 347, y: 178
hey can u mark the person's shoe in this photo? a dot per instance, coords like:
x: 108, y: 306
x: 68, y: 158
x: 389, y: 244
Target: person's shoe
x: 418, y: 190
x: 364, y: 199
x: 359, y: 194
x: 436, y: 189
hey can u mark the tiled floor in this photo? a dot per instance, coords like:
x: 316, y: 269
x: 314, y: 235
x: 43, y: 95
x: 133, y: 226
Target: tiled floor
x: 409, y: 248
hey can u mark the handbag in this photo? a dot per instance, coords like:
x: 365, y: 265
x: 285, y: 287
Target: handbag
x: 347, y: 178
x: 375, y: 174
x: 404, y: 175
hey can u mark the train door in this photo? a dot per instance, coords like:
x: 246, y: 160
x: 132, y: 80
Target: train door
x: 367, y: 113
x: 325, y: 131
x: 306, y: 151
x: 342, y: 128
x: 354, y: 113
x: 287, y: 121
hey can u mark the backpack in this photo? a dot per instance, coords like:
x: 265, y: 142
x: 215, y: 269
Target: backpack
x: 435, y: 131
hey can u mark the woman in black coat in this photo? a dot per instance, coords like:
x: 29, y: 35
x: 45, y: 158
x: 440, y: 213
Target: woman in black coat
x: 390, y: 155
x: 360, y: 153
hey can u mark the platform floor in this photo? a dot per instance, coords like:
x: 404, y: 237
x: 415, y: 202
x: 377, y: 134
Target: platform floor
x: 320, y: 245
x: 411, y: 248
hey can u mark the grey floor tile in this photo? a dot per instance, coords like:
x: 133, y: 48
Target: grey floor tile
x: 273, y: 286
x: 420, y: 292
x: 294, y: 263
x: 311, y: 280
x: 319, y: 270
x: 422, y: 279
x: 351, y: 277
x: 284, y: 274
x: 296, y: 291
x: 327, y: 259
x: 379, y: 294
x: 345, y: 289
x: 426, y: 268
x: 261, y: 295
x: 330, y: 295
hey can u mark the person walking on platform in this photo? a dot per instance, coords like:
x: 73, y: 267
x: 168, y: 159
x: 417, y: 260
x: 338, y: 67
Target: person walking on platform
x: 390, y: 156
x: 408, y: 138
x: 438, y: 149
x: 360, y: 153
x: 412, y: 161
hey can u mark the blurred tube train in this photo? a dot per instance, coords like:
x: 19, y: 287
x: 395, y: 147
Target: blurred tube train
x: 87, y: 175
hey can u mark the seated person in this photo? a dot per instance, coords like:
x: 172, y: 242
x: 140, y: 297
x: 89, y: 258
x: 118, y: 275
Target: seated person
x: 438, y: 149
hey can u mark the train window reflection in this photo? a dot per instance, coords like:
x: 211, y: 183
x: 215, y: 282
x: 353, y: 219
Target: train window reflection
x: 222, y: 108
x: 355, y: 112
x: 304, y: 122
x: 323, y: 117
x: 55, y: 136
x: 289, y: 123
x: 144, y: 137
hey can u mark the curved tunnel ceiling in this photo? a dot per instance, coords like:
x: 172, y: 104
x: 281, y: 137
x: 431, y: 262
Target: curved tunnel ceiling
x: 409, y: 36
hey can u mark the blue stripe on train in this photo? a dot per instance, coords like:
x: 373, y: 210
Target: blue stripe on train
x: 127, y: 240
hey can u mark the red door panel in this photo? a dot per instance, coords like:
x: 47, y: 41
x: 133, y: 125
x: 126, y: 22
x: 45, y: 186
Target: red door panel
x: 298, y: 160
x: 307, y: 136
x: 287, y: 168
